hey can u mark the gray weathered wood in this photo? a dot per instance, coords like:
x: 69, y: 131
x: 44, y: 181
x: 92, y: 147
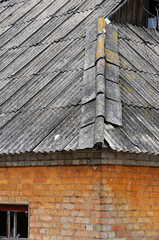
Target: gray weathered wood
x: 112, y: 57
x: 100, y: 66
x: 88, y: 92
x: 113, y: 112
x: 111, y: 38
x: 89, y: 75
x: 86, y: 137
x: 100, y: 84
x: 112, y: 72
x: 112, y: 90
x: 88, y: 113
x: 90, y: 55
x: 100, y: 105
x: 91, y: 33
x: 99, y: 131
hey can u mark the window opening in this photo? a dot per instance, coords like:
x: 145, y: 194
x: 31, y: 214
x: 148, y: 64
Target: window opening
x: 13, y: 221
x: 152, y: 7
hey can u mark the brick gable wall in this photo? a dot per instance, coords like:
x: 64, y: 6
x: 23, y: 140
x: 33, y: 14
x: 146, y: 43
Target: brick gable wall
x: 86, y: 202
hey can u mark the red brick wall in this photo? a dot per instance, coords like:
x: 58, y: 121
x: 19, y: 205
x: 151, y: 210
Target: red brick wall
x: 86, y: 202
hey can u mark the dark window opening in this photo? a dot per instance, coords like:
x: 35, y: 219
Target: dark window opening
x: 153, y: 6
x: 13, y: 221
x: 3, y: 226
x: 22, y: 224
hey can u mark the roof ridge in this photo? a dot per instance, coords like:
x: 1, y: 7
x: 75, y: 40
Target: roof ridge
x: 100, y: 82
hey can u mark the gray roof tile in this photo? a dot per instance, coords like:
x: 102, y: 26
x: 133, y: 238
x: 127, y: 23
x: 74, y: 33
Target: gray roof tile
x: 139, y: 93
x: 42, y: 86
x: 68, y: 83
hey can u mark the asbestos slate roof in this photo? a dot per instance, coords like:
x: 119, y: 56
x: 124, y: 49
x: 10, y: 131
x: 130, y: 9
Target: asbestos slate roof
x: 126, y: 89
x: 138, y: 50
x: 68, y: 82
